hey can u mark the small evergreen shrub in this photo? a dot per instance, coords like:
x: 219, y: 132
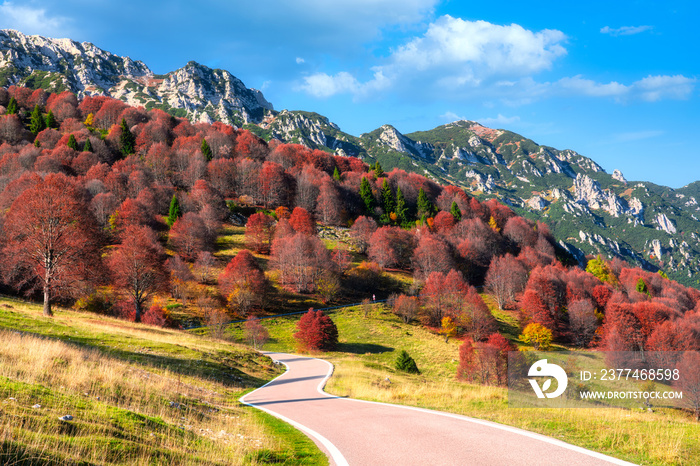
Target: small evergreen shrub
x: 406, y: 363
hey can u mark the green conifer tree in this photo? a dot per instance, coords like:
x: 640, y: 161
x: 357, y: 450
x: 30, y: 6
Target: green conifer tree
x: 641, y: 287
x: 388, y: 198
x: 127, y: 141
x: 425, y: 207
x: 405, y: 363
x: 174, y: 213
x: 51, y: 120
x: 336, y: 174
x: 72, y: 143
x: 88, y: 146
x: 11, y: 106
x: 206, y: 150
x: 456, y: 213
x: 366, y: 195
x: 378, y: 170
x: 401, y: 208
x: 36, y: 121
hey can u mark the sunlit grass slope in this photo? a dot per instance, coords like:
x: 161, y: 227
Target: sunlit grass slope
x: 137, y: 395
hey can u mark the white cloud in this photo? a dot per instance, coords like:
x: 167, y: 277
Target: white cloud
x: 653, y: 88
x: 300, y: 60
x: 499, y: 120
x: 454, y: 54
x: 324, y: 85
x: 452, y: 116
x: 30, y: 20
x: 476, y: 49
x: 580, y: 86
x: 625, y: 30
x: 650, y: 89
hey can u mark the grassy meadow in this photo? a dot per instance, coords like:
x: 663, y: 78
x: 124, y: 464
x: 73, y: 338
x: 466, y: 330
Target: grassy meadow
x: 137, y: 394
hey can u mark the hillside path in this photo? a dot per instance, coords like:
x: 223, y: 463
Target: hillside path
x: 360, y: 432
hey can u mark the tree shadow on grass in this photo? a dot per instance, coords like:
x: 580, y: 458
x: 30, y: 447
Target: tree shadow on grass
x: 363, y: 348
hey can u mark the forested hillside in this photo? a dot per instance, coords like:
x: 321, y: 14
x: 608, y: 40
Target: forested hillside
x: 120, y: 210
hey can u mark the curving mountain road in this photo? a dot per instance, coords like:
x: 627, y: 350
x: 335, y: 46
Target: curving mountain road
x: 360, y: 432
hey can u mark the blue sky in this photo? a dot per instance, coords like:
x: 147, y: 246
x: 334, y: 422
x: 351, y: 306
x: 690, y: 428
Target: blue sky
x: 615, y: 81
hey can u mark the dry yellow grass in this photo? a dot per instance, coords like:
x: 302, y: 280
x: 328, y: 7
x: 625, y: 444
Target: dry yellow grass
x: 89, y: 384
x: 138, y: 395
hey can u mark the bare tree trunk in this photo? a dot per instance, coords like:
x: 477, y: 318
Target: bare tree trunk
x: 47, y: 302
x: 137, y: 315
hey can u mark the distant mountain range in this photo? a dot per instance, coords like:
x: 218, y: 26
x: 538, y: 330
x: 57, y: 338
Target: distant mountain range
x: 589, y: 210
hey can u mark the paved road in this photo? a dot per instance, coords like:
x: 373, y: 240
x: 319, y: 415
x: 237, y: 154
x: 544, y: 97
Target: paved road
x: 359, y: 432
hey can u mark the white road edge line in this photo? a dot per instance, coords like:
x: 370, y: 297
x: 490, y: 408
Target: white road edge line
x: 336, y: 456
x: 515, y: 430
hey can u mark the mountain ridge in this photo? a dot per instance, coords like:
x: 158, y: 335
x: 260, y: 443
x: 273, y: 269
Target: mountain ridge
x: 203, y: 94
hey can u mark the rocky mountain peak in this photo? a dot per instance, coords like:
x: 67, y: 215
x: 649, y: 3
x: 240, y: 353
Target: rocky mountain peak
x: 617, y: 174
x: 204, y: 94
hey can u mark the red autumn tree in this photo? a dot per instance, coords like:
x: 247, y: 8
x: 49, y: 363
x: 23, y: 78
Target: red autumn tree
x: 650, y: 315
x: 130, y: 213
x: 431, y: 255
x: 258, y: 232
x: 535, y: 310
x: 274, y: 185
x: 475, y: 318
x: 444, y: 295
x: 180, y: 276
x: 495, y: 355
x: 485, y: 362
x: 520, y: 231
x: 301, y: 260
x: 673, y: 335
x: 361, y: 232
x: 406, y: 307
x: 316, y: 332
x: 249, y: 145
x: 549, y: 285
x: 302, y: 222
x: 328, y: 205
x: 255, y: 333
x: 444, y: 222
x: 391, y: 247
x: 243, y: 282
x: 189, y: 236
x: 50, y: 239
x: 601, y: 295
x: 583, y: 322
x: 467, y: 360
x: 137, y: 266
x: 505, y: 278
x: 222, y: 176
x: 622, y: 331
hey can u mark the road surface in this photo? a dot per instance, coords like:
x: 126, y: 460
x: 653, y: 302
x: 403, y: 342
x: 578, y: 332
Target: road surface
x: 357, y: 432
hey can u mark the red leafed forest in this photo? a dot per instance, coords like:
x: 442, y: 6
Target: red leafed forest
x: 114, y: 209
